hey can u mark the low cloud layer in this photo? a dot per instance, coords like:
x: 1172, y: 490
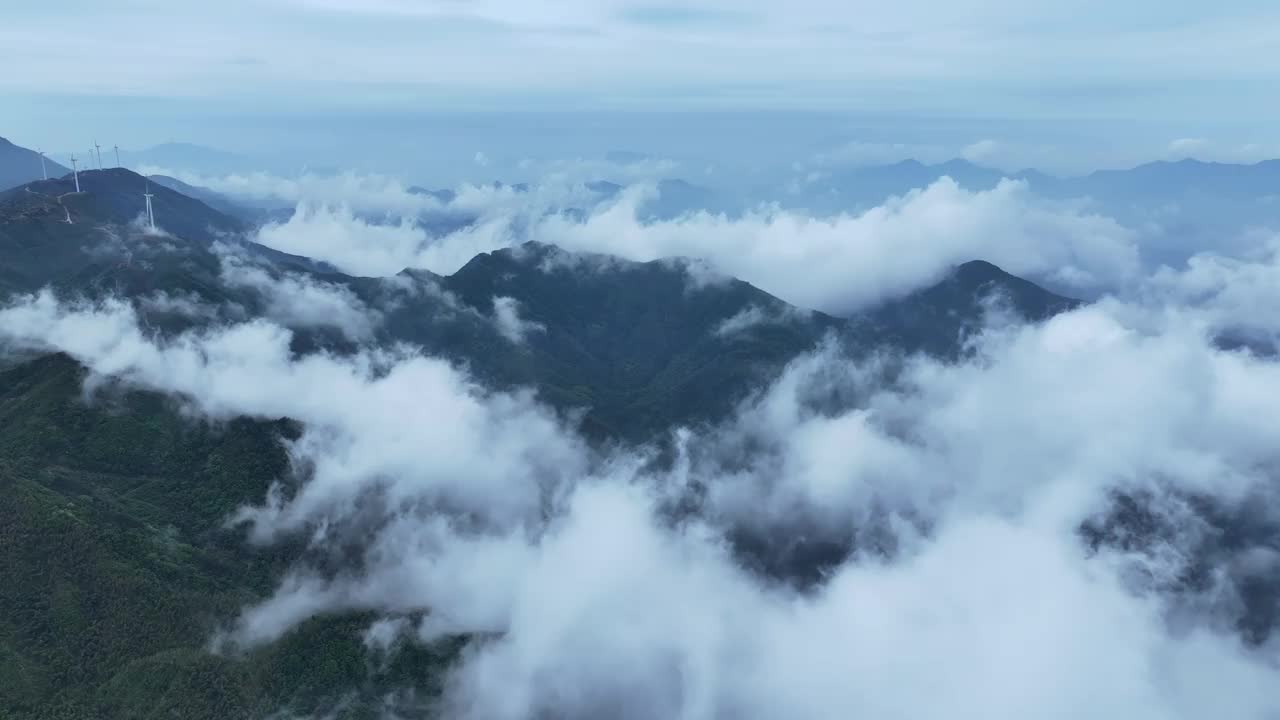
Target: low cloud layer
x: 845, y: 263
x: 839, y: 264
x: 299, y: 301
x: 602, y: 583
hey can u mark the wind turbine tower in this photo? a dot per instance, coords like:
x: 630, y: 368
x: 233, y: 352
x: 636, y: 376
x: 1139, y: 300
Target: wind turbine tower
x: 117, y: 149
x: 75, y: 171
x: 151, y: 216
x: 44, y: 170
x: 98, y: 147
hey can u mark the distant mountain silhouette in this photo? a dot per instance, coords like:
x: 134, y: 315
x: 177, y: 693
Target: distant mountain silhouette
x: 187, y: 157
x: 1182, y: 180
x: 19, y: 166
x: 445, y: 196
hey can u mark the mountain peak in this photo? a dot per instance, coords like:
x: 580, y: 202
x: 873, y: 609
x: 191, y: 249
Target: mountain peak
x: 934, y: 319
x: 980, y: 271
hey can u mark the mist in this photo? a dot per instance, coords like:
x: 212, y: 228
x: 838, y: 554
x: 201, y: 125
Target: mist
x: 604, y: 580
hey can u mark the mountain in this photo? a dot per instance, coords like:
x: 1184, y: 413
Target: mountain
x: 19, y: 166
x: 635, y: 342
x: 187, y: 157
x: 214, y: 199
x: 939, y: 318
x: 115, y: 196
x: 52, y: 235
x: 116, y: 567
x: 639, y: 346
x: 676, y: 197
x: 1184, y: 180
x: 115, y: 562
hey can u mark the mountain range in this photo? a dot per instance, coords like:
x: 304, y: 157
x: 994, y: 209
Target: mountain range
x: 116, y: 565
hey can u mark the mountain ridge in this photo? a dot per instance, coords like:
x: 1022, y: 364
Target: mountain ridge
x: 20, y: 165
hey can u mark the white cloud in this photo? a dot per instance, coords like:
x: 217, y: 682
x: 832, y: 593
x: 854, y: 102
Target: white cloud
x: 354, y: 245
x: 837, y: 264
x: 1015, y: 58
x: 184, y: 304
x: 980, y: 152
x: 1214, y: 151
x: 847, y: 262
x: 755, y: 316
x: 298, y: 301
x: 506, y: 316
x: 1228, y: 291
x: 366, y: 192
x: 606, y: 585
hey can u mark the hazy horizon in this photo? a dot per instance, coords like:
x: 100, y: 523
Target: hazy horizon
x: 395, y: 85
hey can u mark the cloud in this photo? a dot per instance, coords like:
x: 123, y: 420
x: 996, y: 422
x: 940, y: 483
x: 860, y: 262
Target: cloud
x: 981, y: 151
x: 838, y: 264
x: 1227, y: 292
x: 506, y: 317
x: 1003, y: 457
x: 848, y: 262
x: 607, y: 54
x: 299, y: 301
x: 369, y: 193
x: 371, y: 421
x: 619, y: 581
x: 1214, y: 151
x: 352, y: 244
x: 184, y: 304
x: 755, y: 316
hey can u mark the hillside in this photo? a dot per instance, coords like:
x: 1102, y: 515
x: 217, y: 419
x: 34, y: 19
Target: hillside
x: 939, y: 318
x: 115, y: 568
x: 19, y: 166
x: 213, y: 199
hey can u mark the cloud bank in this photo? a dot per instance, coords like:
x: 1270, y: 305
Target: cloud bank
x: 839, y: 264
x: 956, y: 497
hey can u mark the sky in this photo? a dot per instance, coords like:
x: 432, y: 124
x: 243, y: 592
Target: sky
x: 970, y: 481
x: 1062, y: 87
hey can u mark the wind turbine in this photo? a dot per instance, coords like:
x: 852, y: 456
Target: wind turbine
x: 117, y: 148
x: 75, y: 170
x: 44, y: 170
x: 151, y: 216
x: 99, y: 149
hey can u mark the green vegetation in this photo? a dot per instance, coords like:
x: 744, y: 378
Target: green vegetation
x: 115, y: 570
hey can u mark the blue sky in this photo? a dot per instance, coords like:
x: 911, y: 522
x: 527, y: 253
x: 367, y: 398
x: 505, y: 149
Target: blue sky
x: 1136, y: 77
